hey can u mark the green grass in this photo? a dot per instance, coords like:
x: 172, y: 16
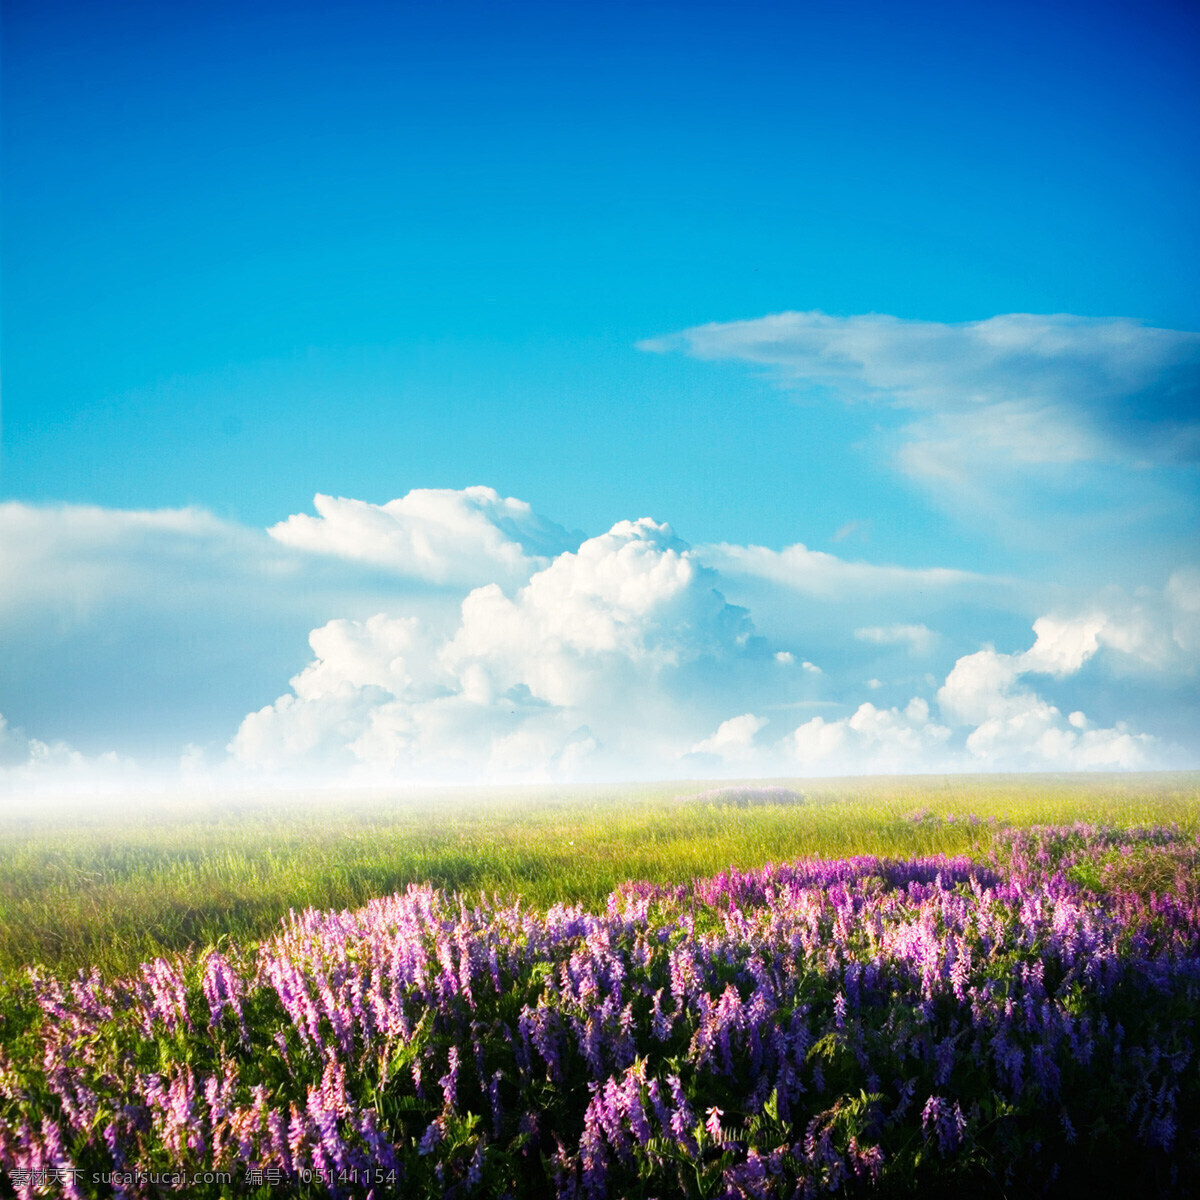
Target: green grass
x: 110, y: 886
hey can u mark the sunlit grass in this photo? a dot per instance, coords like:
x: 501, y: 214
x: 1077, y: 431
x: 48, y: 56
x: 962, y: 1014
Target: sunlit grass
x: 84, y: 886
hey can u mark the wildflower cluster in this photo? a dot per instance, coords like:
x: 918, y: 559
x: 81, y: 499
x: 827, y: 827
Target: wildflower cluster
x: 814, y: 1028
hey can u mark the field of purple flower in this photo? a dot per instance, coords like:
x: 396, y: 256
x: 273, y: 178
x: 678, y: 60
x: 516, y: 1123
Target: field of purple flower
x: 938, y: 1026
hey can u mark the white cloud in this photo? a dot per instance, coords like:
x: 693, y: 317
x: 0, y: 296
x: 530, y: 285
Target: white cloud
x: 1003, y: 722
x: 984, y: 687
x: 443, y: 536
x: 1002, y: 419
x: 1039, y: 389
x: 1061, y: 647
x: 871, y: 741
x: 623, y: 657
x: 604, y: 662
x: 1149, y: 631
x: 32, y: 767
x: 1036, y: 738
x: 733, y: 741
x: 381, y: 652
x: 66, y: 561
x: 826, y: 577
x: 1153, y: 630
x: 979, y: 688
x: 1015, y: 727
x: 918, y: 639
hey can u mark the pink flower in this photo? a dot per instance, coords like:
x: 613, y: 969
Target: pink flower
x: 713, y: 1123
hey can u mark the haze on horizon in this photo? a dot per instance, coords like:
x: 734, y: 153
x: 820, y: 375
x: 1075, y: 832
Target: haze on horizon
x: 509, y: 393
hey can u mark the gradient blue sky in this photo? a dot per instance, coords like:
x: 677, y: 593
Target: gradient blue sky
x: 257, y: 252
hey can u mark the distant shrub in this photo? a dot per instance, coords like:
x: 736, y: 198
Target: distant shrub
x: 746, y: 797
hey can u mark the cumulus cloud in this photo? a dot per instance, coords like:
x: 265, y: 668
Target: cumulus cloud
x: 871, y: 741
x: 1148, y: 629
x: 991, y: 718
x: 470, y: 536
x: 602, y: 663
x: 624, y: 657
x: 1014, y: 726
x: 1129, y: 653
x: 734, y: 739
x: 1154, y: 631
x: 994, y: 714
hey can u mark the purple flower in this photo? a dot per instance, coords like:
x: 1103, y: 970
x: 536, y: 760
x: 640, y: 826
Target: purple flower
x: 431, y: 1137
x: 946, y: 1120
x: 449, y: 1082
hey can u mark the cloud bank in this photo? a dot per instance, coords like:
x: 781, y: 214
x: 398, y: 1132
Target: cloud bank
x: 458, y: 636
x: 31, y: 766
x: 624, y: 658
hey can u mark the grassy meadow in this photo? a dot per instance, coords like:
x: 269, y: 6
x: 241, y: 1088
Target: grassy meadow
x: 942, y: 987
x: 110, y: 885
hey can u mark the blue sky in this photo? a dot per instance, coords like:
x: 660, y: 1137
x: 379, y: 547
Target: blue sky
x: 257, y: 253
